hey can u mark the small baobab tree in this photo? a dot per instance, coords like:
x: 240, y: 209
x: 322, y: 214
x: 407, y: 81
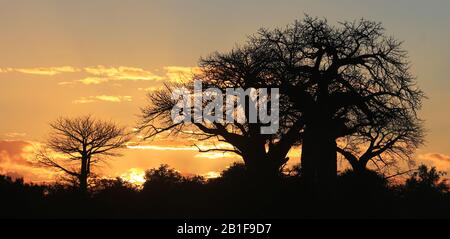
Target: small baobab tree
x: 75, y: 145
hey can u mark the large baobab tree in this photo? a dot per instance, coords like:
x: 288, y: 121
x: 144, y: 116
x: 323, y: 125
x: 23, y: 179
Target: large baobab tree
x: 335, y: 82
x: 75, y: 145
x: 344, y: 79
x: 244, y: 67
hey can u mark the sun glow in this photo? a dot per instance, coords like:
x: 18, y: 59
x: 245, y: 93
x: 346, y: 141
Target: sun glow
x: 134, y: 175
x: 211, y: 175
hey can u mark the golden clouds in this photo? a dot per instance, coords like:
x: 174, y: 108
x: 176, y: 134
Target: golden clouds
x: 149, y: 89
x: 112, y: 98
x: 16, y: 160
x: 108, y: 73
x: 180, y: 145
x: 107, y: 98
x: 48, y: 71
x: 15, y: 135
x: 94, y: 75
x: 93, y: 80
x: 217, y: 155
x: 163, y: 148
x: 440, y: 161
x: 435, y: 157
x: 103, y: 74
x: 122, y: 73
x: 180, y: 73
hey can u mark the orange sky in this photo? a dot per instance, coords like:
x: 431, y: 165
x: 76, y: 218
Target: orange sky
x: 101, y: 57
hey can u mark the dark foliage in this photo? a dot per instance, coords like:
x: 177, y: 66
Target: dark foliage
x: 168, y: 194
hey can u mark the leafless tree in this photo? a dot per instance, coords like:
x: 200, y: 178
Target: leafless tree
x: 335, y: 82
x: 76, y: 145
x: 344, y: 79
x: 244, y: 67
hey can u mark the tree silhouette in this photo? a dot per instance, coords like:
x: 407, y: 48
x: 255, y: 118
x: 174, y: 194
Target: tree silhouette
x: 350, y: 81
x: 162, y: 178
x: 426, y: 182
x: 75, y: 145
x: 345, y: 80
x: 244, y: 67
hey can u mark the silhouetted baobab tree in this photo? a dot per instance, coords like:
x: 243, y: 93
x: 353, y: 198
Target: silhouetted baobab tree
x: 335, y: 82
x: 244, y: 67
x: 343, y: 79
x: 75, y: 145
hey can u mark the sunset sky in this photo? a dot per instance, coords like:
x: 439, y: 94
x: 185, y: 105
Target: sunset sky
x: 101, y: 57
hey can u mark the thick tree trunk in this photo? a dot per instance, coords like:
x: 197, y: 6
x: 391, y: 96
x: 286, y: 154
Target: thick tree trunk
x: 318, y: 159
x: 259, y: 165
x: 83, y: 176
x: 319, y: 166
x: 359, y: 167
x: 261, y: 168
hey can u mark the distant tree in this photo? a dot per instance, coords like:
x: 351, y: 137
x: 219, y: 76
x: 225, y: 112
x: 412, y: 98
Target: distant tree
x: 236, y: 171
x: 426, y: 183
x: 162, y: 178
x: 75, y: 145
x: 116, y: 185
x: 165, y: 182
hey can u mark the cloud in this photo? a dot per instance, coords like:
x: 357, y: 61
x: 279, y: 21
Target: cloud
x: 15, y: 135
x: 49, y: 71
x: 16, y: 160
x: 216, y: 155
x: 439, y: 160
x: 66, y: 83
x: 180, y: 145
x: 163, y: 148
x: 436, y: 157
x: 93, y: 80
x: 180, y: 73
x: 112, y: 98
x: 103, y: 74
x: 183, y: 144
x: 150, y: 89
x: 107, y: 98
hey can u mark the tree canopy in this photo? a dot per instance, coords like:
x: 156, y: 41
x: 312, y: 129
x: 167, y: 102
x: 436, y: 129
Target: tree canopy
x: 77, y: 144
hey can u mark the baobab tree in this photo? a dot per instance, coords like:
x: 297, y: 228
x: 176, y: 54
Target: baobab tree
x: 344, y: 79
x: 246, y: 68
x: 335, y: 82
x: 76, y: 145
